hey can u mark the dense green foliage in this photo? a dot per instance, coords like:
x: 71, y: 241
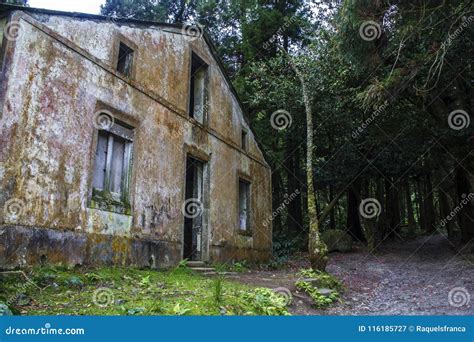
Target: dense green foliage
x: 384, y: 78
x: 128, y: 291
x: 313, y: 283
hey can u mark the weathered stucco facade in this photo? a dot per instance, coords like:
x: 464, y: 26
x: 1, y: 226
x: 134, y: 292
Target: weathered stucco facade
x: 59, y: 71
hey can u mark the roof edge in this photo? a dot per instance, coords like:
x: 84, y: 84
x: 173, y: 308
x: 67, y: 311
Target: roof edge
x: 206, y: 37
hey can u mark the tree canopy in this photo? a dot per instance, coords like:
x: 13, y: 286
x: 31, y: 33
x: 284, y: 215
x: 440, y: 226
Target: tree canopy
x: 390, y: 88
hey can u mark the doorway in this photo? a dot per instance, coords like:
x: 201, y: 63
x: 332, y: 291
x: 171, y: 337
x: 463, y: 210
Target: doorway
x: 194, y: 210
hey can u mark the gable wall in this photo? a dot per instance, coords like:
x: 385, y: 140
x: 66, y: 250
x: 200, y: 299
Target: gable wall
x: 47, y: 137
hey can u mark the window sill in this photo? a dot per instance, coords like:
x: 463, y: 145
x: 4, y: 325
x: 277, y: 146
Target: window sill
x: 247, y: 233
x: 104, y: 201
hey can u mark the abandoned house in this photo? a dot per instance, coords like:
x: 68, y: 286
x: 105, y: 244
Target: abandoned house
x: 123, y: 142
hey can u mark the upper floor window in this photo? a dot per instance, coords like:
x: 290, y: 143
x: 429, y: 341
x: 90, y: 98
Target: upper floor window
x: 112, y: 167
x: 125, y: 59
x: 243, y: 139
x: 198, y: 104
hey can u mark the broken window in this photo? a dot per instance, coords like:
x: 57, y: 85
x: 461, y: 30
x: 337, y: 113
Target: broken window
x: 199, y: 93
x: 112, y: 167
x: 125, y: 60
x: 243, y: 139
x: 244, y: 206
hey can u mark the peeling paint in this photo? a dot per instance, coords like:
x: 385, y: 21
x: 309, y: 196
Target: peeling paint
x: 61, y: 72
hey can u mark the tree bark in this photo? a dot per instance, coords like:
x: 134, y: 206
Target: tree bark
x: 465, y: 198
x: 409, y: 210
x: 353, y: 225
x: 318, y: 252
x: 276, y: 200
x: 421, y: 204
x: 429, y: 206
x: 294, y: 219
x: 332, y: 218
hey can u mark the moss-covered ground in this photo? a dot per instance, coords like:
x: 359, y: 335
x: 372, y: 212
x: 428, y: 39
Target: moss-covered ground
x: 129, y: 291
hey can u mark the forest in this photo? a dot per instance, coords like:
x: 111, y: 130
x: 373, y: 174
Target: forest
x: 356, y: 104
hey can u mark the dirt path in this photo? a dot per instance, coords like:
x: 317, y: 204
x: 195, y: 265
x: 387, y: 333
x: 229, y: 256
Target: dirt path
x: 410, y: 278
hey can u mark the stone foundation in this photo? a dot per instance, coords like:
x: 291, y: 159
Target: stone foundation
x: 26, y: 246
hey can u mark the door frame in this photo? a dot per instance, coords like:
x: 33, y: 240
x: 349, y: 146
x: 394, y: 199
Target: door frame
x: 204, y: 158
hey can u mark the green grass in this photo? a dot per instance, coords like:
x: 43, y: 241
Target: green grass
x: 129, y: 291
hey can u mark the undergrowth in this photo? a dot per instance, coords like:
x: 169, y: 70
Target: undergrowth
x: 312, y: 282
x: 131, y: 291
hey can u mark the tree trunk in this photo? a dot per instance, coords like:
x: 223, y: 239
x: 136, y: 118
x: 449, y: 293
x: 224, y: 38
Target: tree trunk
x: 396, y: 218
x: 294, y: 219
x: 444, y: 212
x: 353, y: 225
x: 276, y: 200
x: 465, y: 198
x: 332, y: 218
x: 429, y: 206
x: 318, y: 252
x: 409, y: 210
x: 421, y: 204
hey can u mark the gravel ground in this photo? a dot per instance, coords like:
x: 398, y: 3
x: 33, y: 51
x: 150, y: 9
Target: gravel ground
x: 403, y: 278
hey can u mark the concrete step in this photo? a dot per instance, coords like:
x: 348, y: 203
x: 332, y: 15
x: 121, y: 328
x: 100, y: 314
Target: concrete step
x: 193, y: 264
x: 225, y: 274
x: 203, y: 269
